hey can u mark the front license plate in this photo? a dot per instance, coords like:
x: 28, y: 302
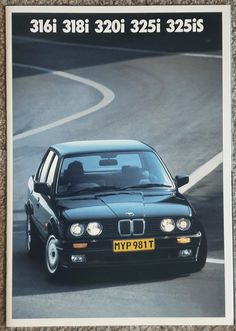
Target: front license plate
x: 133, y: 245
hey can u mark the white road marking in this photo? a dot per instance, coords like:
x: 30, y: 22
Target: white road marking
x: 108, y: 97
x: 111, y: 48
x: 210, y: 56
x: 203, y: 171
x: 216, y: 261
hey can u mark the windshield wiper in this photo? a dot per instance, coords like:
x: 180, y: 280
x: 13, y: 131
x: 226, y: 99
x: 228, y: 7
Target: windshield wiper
x: 102, y: 190
x: 145, y: 186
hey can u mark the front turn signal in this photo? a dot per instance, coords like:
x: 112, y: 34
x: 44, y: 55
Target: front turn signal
x: 80, y: 245
x: 183, y: 240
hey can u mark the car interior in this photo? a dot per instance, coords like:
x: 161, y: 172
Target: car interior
x: 74, y: 178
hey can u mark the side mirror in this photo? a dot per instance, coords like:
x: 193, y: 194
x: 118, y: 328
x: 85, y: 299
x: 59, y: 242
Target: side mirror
x: 42, y: 188
x: 181, y: 180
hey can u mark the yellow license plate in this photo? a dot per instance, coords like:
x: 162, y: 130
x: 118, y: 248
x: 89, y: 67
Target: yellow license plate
x: 133, y: 245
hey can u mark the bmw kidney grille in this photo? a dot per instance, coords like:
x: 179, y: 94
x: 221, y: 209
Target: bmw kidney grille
x: 128, y: 228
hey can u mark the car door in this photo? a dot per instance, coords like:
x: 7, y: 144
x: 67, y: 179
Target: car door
x: 43, y: 208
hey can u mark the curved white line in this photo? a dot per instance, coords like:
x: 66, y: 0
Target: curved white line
x: 108, y: 97
x: 115, y: 49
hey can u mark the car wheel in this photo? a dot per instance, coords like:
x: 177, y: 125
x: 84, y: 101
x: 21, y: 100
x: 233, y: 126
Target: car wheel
x: 32, y: 241
x: 52, y: 257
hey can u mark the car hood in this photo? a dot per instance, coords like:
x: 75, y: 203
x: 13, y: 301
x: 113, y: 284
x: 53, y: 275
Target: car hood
x: 124, y: 205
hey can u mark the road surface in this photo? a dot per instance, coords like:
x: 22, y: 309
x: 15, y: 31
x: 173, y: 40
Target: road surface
x: 172, y: 102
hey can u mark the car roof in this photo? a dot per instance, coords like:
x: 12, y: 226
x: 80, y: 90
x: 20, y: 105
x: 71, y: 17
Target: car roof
x: 91, y: 146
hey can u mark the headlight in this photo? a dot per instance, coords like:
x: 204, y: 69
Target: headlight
x: 77, y: 229
x: 167, y: 225
x: 183, y: 224
x: 94, y: 229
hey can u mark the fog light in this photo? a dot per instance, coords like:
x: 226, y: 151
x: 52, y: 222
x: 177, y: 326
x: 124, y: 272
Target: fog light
x: 78, y: 258
x: 185, y: 252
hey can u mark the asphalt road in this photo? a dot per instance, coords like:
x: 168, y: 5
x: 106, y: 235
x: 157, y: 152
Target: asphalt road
x: 171, y: 102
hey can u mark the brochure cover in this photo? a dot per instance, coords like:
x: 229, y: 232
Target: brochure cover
x: 119, y: 166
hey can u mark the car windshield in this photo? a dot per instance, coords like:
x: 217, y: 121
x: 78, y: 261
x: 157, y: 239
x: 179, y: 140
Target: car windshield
x: 99, y: 172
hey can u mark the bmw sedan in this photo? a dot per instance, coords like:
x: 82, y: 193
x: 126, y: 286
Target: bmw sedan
x: 110, y: 202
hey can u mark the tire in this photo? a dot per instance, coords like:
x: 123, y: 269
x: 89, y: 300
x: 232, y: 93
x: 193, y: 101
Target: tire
x: 52, y: 257
x: 33, y: 244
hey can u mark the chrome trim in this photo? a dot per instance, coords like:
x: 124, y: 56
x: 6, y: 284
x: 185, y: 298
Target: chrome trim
x: 197, y: 235
x: 130, y: 225
x: 197, y: 250
x: 129, y: 213
x: 144, y: 224
x: 190, y: 212
x: 196, y: 255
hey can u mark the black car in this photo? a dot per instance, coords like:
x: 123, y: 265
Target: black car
x: 110, y: 202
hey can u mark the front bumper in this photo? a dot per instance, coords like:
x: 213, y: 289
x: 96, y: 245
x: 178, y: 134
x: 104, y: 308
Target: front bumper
x: 100, y: 252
